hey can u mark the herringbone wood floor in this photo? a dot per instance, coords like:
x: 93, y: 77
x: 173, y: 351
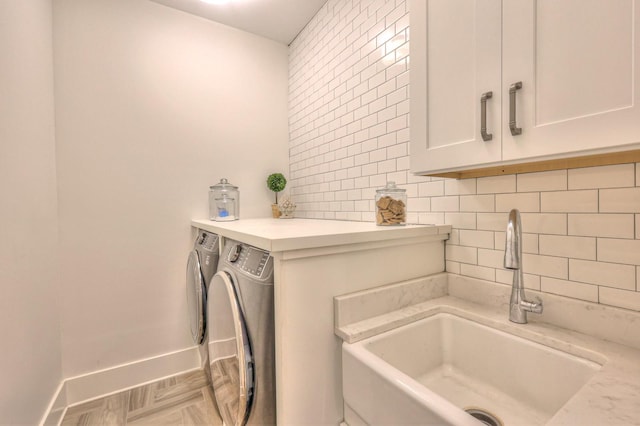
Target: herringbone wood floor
x: 177, y: 401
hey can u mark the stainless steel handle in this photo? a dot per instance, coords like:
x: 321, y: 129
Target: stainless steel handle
x: 483, y: 116
x: 515, y: 130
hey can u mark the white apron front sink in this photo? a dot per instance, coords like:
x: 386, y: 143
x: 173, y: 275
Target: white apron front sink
x: 429, y: 371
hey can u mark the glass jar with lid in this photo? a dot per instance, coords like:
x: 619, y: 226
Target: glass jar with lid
x: 391, y: 205
x: 224, y: 201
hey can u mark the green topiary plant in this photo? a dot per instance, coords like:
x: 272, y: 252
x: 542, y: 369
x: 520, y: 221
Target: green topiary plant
x: 276, y: 182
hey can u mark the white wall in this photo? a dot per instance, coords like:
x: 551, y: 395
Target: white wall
x: 153, y: 105
x: 30, y: 366
x: 349, y: 130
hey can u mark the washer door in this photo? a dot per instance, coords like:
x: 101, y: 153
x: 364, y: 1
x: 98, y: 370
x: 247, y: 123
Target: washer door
x: 230, y: 357
x: 196, y: 294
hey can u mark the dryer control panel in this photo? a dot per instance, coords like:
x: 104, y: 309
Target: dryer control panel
x: 249, y: 259
x: 207, y: 240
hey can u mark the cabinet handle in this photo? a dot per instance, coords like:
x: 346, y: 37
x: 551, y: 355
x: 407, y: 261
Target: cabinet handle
x: 483, y: 116
x: 515, y: 130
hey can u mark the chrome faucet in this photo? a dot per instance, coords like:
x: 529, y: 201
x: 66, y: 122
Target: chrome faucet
x: 518, y: 306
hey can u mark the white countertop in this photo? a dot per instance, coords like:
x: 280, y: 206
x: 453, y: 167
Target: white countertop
x: 294, y: 234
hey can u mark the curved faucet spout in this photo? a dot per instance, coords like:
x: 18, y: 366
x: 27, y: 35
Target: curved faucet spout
x: 513, y: 246
x: 518, y: 305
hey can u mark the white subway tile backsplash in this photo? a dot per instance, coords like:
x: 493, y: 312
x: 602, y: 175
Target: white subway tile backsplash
x: 388, y: 139
x: 569, y: 201
x: 434, y: 218
x: 480, y: 272
x: 399, y: 178
x: 602, y: 273
x: 459, y: 187
x: 460, y: 220
x: 505, y: 276
x: 445, y: 204
x: 403, y: 79
x: 379, y: 180
x: 404, y: 108
x: 555, y: 180
x: 378, y: 155
x: 387, y: 166
x: 569, y: 288
x: 601, y: 225
x: 453, y: 267
x: 349, y: 100
x: 496, y: 184
x: 370, y: 169
x: 362, y: 205
x: 347, y: 184
x: 454, y: 237
x: 402, y: 163
x: 544, y: 223
x: 362, y: 159
x: 386, y: 88
x: 616, y: 176
x: 525, y: 202
x: 564, y: 246
x: 462, y: 254
x: 398, y: 150
x: 431, y: 189
x: 548, y: 266
x: 619, y: 251
x: 397, y: 96
x: 480, y: 239
x: 477, y: 203
x: 398, y: 123
x: 403, y: 22
x: 620, y: 200
x: 491, y: 258
x: 620, y: 298
x: 492, y: 221
x: 396, y: 14
x: 419, y: 204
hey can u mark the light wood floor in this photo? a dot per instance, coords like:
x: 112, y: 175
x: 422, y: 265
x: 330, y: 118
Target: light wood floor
x: 177, y: 401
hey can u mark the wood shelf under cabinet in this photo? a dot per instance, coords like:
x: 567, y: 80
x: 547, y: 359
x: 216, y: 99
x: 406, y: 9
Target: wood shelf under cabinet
x: 606, y: 159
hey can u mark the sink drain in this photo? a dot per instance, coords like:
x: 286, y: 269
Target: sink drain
x: 484, y: 416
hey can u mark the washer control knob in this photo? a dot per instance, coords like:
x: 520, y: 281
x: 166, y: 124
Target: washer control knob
x: 234, y: 253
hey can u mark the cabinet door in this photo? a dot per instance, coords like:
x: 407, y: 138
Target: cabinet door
x: 579, y: 67
x: 455, y: 58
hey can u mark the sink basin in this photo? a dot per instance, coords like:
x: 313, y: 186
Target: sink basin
x: 430, y: 371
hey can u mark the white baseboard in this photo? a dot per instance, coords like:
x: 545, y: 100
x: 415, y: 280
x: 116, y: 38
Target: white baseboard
x: 57, y: 407
x: 78, y: 389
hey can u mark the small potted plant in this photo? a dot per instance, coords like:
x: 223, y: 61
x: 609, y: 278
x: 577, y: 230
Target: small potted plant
x: 276, y: 182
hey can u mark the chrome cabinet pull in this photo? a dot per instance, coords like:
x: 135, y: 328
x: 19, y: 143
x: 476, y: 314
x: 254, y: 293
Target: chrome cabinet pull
x: 515, y: 130
x: 483, y: 116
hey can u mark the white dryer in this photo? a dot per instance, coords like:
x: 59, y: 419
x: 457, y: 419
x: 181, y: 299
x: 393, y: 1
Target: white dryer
x: 202, y: 265
x: 241, y: 336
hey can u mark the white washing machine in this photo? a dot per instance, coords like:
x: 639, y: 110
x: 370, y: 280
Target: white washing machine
x: 201, y: 267
x: 241, y: 336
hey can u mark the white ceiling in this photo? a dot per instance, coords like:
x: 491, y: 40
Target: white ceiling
x: 279, y: 20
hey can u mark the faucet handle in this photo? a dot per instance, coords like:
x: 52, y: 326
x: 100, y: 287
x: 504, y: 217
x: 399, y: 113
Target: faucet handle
x: 534, y: 307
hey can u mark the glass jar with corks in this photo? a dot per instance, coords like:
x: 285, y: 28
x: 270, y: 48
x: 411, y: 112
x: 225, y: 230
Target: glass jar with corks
x: 391, y: 205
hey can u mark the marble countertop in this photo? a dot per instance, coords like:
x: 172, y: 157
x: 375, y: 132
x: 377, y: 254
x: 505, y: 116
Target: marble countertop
x: 611, y: 397
x: 294, y: 234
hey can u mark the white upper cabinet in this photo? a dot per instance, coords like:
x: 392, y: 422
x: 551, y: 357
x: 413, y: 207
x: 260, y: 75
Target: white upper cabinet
x: 562, y: 74
x: 455, y: 59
